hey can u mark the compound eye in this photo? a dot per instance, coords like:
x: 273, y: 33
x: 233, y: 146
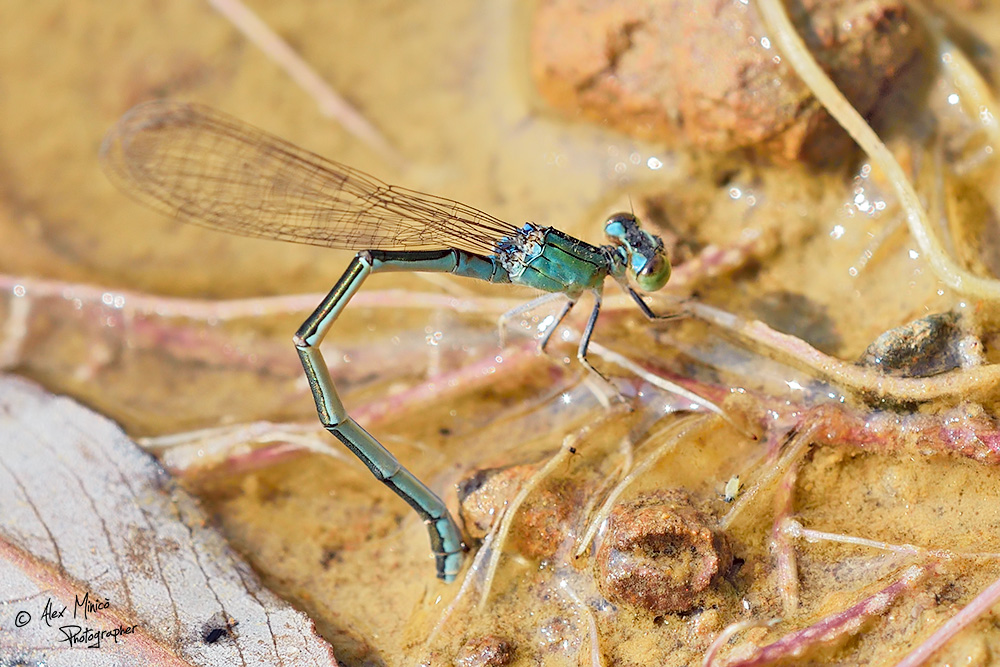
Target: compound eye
x: 654, y: 274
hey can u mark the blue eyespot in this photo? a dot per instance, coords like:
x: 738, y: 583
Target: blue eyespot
x: 617, y: 226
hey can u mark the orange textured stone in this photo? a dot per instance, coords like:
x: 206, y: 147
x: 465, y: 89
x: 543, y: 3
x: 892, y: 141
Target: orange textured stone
x: 659, y: 553
x: 487, y: 651
x: 543, y: 520
x: 703, y: 74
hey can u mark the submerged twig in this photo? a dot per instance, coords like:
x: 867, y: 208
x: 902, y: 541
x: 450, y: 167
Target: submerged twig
x: 483, y: 370
x: 983, y: 603
x: 507, y: 520
x: 781, y: 545
x: 224, y: 310
x: 836, y: 626
x: 331, y: 104
x: 981, y: 381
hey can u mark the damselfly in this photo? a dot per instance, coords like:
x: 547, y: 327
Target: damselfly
x: 210, y: 169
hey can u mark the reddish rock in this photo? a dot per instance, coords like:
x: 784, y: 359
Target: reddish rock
x: 482, y: 496
x: 659, y: 553
x: 487, y: 651
x: 543, y: 520
x: 698, y: 73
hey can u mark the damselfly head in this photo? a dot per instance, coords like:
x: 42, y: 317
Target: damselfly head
x: 645, y: 257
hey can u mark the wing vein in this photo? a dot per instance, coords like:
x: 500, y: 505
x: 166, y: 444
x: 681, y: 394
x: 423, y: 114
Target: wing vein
x: 212, y: 170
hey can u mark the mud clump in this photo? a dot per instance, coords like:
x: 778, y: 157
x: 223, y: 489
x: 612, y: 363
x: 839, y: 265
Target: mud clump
x: 486, y: 651
x: 659, y: 553
x: 544, y: 519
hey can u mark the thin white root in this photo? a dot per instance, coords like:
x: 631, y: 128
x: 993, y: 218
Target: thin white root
x: 467, y: 583
x: 204, y: 448
x: 14, y: 332
x: 595, y: 640
x: 728, y: 633
x: 331, y: 104
x: 798, y: 56
x: 848, y: 376
x: 508, y: 518
x: 974, y: 93
x: 657, y: 381
x: 792, y: 453
x: 682, y: 429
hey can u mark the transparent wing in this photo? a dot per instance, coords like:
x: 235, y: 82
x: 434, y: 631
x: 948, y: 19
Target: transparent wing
x: 210, y: 169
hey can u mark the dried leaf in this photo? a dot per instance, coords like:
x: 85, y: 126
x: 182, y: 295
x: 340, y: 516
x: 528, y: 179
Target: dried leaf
x: 100, y: 548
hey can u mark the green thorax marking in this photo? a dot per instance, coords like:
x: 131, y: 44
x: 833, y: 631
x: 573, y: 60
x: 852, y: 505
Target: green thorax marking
x: 551, y: 261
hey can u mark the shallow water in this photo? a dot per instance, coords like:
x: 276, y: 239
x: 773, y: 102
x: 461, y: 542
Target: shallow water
x: 447, y: 85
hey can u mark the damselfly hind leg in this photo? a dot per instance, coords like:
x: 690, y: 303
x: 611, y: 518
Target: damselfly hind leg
x: 581, y: 351
x: 445, y: 537
x: 568, y: 306
x: 503, y: 322
x: 585, y: 337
